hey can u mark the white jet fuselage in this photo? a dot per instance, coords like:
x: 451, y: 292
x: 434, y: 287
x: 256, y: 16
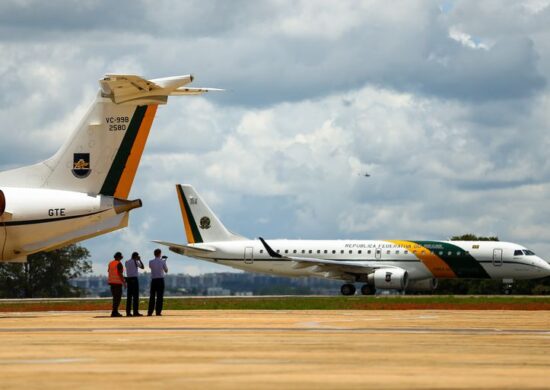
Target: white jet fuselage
x: 421, y: 259
x: 414, y: 265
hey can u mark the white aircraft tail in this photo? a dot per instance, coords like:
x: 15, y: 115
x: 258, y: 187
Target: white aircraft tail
x: 201, y: 224
x: 103, y: 153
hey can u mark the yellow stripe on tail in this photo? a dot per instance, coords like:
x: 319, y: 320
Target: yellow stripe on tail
x: 129, y: 173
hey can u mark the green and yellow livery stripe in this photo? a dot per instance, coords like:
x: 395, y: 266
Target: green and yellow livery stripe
x: 445, y: 260
x: 436, y: 265
x: 123, y: 170
x: 191, y: 229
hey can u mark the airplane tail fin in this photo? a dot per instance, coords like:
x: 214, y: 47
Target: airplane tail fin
x: 103, y: 153
x: 201, y: 224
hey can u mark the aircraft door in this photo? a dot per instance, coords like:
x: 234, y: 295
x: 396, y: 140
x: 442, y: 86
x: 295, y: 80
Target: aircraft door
x: 378, y: 254
x: 497, y: 257
x: 249, y: 255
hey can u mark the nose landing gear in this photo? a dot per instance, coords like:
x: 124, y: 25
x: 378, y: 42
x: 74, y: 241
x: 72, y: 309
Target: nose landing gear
x: 347, y: 289
x: 507, y: 286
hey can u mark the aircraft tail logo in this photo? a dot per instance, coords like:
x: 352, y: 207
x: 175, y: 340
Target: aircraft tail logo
x: 205, y: 223
x: 81, y: 165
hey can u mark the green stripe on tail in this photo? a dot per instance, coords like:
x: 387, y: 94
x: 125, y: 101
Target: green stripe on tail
x: 115, y: 173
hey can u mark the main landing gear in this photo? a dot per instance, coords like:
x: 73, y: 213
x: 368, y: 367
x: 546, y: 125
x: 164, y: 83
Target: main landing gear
x: 347, y: 289
x: 367, y: 289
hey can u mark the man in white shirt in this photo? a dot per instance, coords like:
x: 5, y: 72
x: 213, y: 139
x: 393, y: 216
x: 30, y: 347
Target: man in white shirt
x: 158, y: 270
x: 132, y: 295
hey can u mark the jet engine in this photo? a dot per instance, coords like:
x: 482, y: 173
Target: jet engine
x: 389, y: 278
x: 422, y: 285
x: 43, y: 205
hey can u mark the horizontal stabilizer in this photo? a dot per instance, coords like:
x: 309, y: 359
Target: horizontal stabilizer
x: 130, y: 88
x: 194, y: 91
x: 188, y: 250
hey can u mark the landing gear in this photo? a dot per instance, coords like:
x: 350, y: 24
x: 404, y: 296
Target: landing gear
x: 347, y: 289
x: 366, y: 289
x: 507, y: 286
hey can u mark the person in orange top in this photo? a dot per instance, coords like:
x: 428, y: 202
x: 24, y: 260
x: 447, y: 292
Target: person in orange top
x: 116, y: 281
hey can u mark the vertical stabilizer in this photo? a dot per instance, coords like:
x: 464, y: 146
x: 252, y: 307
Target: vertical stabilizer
x: 103, y: 153
x: 201, y: 224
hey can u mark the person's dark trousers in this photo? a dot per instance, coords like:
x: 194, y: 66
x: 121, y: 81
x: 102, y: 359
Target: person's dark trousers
x: 132, y: 295
x: 116, y: 291
x: 157, y: 289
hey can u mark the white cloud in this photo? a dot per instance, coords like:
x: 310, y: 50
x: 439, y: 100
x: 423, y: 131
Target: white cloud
x: 467, y: 40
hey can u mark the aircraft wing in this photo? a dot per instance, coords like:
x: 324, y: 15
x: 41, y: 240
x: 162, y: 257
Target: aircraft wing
x: 187, y: 250
x: 323, y: 265
x: 123, y: 88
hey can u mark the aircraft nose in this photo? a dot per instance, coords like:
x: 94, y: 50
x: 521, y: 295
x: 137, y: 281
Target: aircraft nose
x: 545, y: 266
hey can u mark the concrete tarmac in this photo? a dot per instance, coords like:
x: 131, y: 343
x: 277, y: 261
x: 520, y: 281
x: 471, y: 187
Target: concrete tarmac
x: 277, y: 349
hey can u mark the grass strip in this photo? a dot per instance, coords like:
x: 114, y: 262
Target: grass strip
x: 299, y: 303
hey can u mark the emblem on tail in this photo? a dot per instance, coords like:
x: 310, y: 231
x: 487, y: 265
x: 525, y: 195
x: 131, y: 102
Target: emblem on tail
x: 205, y: 223
x: 81, y: 165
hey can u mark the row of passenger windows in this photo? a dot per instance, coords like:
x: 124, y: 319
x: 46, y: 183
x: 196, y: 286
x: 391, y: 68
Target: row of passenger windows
x: 369, y: 251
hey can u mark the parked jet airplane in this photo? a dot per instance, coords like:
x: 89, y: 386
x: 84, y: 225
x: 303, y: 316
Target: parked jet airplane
x: 378, y: 264
x: 82, y: 191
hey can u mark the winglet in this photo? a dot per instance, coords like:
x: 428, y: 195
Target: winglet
x: 271, y: 252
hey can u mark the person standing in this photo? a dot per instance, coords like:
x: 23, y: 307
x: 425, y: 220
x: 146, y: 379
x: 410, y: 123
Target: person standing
x: 132, y: 296
x: 116, y: 281
x: 158, y: 270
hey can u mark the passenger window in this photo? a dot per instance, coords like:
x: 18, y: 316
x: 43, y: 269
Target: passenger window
x: 360, y: 251
x: 406, y: 252
x: 342, y: 251
x: 310, y: 251
x: 440, y: 253
x: 278, y: 251
x: 350, y: 252
x: 261, y: 251
x: 286, y: 250
x: 396, y: 252
x: 294, y: 251
x: 450, y: 253
x: 326, y: 251
x: 318, y: 251
x: 303, y: 251
x: 423, y: 252
x: 369, y: 252
x: 333, y: 252
x: 388, y: 252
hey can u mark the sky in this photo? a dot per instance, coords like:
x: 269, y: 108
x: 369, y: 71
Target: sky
x: 446, y: 104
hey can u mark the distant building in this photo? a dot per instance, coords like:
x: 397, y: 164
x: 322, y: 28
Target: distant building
x: 218, y: 292
x: 240, y: 284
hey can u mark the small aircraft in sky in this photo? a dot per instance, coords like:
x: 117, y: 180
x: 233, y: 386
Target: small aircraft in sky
x: 412, y: 265
x: 82, y: 191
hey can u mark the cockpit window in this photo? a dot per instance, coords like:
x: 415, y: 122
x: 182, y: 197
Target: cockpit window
x: 529, y: 253
x: 518, y: 253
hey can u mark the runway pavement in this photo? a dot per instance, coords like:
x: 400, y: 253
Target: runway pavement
x: 277, y: 349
